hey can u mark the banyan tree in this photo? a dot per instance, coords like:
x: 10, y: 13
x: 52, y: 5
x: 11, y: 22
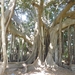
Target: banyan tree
x: 53, y: 43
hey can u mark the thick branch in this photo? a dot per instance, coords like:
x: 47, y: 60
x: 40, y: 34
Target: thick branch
x: 8, y: 11
x: 36, y: 5
x: 11, y: 8
x: 64, y: 24
x: 14, y: 31
x: 18, y: 22
x: 70, y: 15
x: 63, y: 12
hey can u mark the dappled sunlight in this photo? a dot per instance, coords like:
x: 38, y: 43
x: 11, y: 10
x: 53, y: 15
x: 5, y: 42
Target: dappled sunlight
x: 19, y: 72
x: 47, y: 63
x: 24, y: 64
x: 40, y: 73
x: 27, y: 37
x: 38, y: 68
x: 53, y: 68
x: 51, y: 46
x: 40, y: 63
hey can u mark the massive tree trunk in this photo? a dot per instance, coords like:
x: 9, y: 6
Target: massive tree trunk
x: 45, y: 39
x: 41, y: 42
x: 48, y: 37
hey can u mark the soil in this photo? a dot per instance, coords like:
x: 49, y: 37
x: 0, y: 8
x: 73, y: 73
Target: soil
x: 40, y: 71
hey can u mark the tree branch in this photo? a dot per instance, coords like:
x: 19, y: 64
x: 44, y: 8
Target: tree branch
x: 11, y: 8
x: 62, y: 13
x: 70, y: 14
x: 8, y: 10
x: 65, y: 24
x: 36, y: 5
x: 11, y: 28
x: 18, y: 22
x: 14, y: 31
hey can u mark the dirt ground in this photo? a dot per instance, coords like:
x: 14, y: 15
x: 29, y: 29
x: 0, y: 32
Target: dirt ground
x: 40, y: 71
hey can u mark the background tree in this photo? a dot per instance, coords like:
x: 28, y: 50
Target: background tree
x: 3, y: 39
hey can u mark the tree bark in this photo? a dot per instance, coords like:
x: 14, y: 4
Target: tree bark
x: 69, y: 46
x: 35, y: 48
x: 74, y: 44
x: 60, y: 43
x: 11, y: 12
x: 65, y: 24
x: 3, y: 39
